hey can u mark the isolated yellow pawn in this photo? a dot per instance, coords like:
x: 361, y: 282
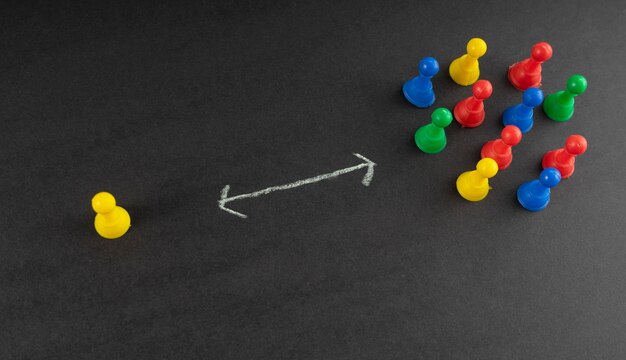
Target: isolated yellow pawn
x: 111, y: 221
x: 474, y: 185
x: 464, y: 70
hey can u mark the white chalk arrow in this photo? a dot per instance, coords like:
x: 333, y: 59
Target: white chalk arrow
x: 367, y: 179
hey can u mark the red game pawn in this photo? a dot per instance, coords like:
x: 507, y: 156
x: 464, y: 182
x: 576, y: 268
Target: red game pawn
x: 500, y: 149
x: 526, y: 74
x: 564, y: 159
x: 470, y: 112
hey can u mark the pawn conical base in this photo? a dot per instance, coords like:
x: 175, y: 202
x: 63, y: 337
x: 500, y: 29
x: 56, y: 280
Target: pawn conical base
x: 418, y: 97
x: 557, y: 109
x: 428, y: 143
x: 463, y: 76
x: 113, y: 230
x: 466, y: 118
x: 522, y: 80
x: 550, y: 161
x: 503, y: 160
x: 530, y: 200
x: 510, y: 116
x: 469, y: 188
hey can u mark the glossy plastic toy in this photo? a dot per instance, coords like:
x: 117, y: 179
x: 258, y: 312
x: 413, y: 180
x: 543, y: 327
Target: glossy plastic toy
x: 419, y: 90
x: 111, y: 221
x: 564, y: 159
x: 465, y: 70
x: 560, y: 105
x: 470, y: 112
x: 527, y: 73
x: 535, y: 195
x: 431, y: 138
x: 500, y: 149
x: 474, y: 185
x: 521, y: 115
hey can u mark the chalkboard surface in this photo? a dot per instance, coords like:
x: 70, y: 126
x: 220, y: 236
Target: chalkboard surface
x: 164, y: 104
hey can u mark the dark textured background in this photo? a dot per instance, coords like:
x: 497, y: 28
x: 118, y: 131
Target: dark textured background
x: 163, y: 104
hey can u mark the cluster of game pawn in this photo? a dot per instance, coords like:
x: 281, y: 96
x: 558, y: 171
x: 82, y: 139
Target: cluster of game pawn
x: 517, y: 120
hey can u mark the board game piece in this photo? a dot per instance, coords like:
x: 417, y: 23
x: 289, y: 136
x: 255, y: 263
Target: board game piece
x: 564, y: 159
x: 431, y: 138
x: 470, y: 112
x: 535, y: 195
x: 527, y: 73
x: 560, y: 105
x: 111, y: 221
x: 464, y: 70
x: 474, y: 185
x: 500, y: 149
x: 419, y: 90
x: 521, y: 115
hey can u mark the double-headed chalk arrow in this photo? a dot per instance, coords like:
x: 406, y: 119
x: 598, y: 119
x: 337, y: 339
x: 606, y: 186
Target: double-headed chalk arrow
x: 367, y: 179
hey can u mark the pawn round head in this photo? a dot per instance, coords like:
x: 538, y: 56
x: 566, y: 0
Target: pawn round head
x: 532, y: 97
x: 428, y: 66
x: 511, y: 135
x: 550, y: 177
x: 487, y: 167
x: 103, y: 203
x: 441, y: 117
x: 541, y: 52
x: 576, y: 144
x: 577, y: 84
x: 482, y: 89
x: 476, y: 47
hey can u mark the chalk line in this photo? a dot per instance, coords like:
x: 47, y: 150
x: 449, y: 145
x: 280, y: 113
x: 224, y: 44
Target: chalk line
x: 367, y: 179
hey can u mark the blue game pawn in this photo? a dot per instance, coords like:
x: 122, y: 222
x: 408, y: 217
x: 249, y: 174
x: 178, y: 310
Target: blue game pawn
x: 419, y: 90
x: 535, y: 195
x: 521, y: 115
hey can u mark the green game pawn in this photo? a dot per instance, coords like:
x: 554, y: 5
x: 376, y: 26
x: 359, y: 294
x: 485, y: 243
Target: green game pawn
x: 560, y: 105
x: 431, y: 138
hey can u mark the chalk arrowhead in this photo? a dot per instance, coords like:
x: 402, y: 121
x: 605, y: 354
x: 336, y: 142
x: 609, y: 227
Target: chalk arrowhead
x: 369, y: 175
x: 224, y: 199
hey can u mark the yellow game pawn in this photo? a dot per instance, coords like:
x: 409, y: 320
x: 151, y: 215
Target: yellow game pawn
x: 474, y: 185
x: 464, y: 70
x: 111, y: 221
